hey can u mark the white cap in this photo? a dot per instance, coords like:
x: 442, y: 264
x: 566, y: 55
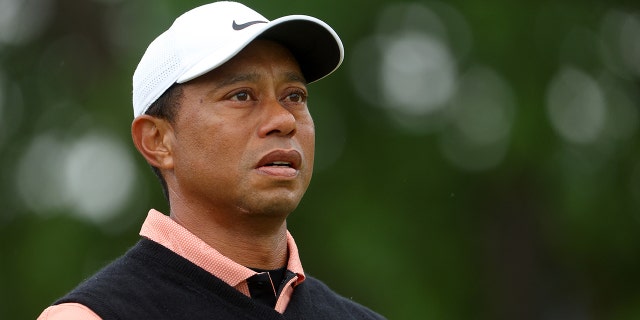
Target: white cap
x: 208, y: 36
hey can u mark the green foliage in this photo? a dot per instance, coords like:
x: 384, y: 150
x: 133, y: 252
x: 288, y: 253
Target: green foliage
x: 396, y: 216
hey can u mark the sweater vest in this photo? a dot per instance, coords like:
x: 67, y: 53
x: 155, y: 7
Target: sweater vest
x: 152, y: 282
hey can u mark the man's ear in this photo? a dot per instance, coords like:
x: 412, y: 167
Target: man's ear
x: 153, y: 137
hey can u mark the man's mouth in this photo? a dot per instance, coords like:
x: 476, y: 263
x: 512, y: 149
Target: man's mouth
x: 279, y: 164
x: 283, y: 163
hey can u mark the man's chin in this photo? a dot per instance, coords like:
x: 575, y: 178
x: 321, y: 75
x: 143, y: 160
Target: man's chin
x: 272, y: 207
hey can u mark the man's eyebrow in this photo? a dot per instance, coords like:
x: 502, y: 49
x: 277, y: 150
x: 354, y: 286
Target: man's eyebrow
x: 295, y: 77
x: 252, y: 77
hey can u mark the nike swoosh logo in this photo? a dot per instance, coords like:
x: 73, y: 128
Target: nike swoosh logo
x: 241, y: 26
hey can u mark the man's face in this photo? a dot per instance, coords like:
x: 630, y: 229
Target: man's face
x: 243, y: 137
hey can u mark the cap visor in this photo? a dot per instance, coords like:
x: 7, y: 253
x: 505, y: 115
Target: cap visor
x: 314, y: 44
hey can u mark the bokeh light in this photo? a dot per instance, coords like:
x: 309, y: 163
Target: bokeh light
x: 419, y: 83
x: 99, y: 177
x: 22, y: 20
x: 482, y: 117
x: 417, y: 74
x: 576, y: 106
x: 489, y: 150
x: 39, y: 175
x: 630, y: 41
x: 407, y: 66
x: 91, y: 177
x: 623, y: 111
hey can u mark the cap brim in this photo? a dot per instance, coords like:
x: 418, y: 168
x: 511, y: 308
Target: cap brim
x: 314, y: 44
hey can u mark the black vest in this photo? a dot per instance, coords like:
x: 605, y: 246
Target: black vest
x: 152, y: 282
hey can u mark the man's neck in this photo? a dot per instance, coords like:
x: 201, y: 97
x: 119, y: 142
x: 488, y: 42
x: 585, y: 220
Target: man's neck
x: 252, y: 241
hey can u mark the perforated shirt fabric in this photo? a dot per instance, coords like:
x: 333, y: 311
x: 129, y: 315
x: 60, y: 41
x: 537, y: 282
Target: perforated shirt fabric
x: 163, y: 230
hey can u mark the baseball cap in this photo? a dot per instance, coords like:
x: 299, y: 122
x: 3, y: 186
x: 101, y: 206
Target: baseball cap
x: 205, y: 37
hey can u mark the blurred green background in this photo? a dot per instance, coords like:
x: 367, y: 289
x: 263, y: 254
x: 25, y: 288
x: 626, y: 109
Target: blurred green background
x: 475, y: 159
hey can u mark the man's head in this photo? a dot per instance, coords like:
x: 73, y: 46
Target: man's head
x: 206, y: 37
x: 230, y: 129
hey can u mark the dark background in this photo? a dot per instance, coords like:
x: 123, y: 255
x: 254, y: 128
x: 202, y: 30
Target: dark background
x: 475, y: 159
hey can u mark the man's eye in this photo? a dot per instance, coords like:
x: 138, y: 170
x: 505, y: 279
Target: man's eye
x: 241, y: 96
x: 297, y: 97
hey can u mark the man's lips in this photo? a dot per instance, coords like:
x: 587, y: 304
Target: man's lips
x: 283, y: 163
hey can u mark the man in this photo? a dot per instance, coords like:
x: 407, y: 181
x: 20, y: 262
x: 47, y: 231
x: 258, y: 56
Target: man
x: 220, y: 106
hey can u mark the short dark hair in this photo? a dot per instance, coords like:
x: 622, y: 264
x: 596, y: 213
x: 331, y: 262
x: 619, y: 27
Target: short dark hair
x: 166, y: 107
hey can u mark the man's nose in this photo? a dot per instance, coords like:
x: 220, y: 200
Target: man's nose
x: 278, y: 120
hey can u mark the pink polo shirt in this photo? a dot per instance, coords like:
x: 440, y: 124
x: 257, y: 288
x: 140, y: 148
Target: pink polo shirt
x: 165, y: 231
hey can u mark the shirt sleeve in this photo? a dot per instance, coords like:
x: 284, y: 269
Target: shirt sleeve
x: 68, y: 311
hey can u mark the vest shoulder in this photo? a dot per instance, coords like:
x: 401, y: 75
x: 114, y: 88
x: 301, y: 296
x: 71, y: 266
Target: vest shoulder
x: 151, y: 282
x: 321, y: 302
